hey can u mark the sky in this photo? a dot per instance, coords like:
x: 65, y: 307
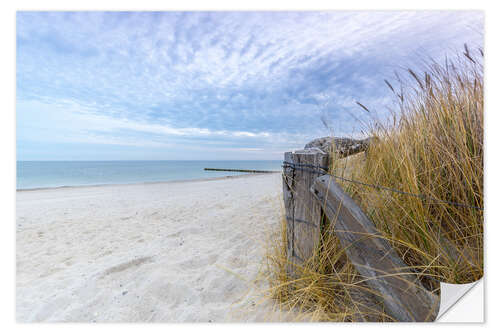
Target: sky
x: 213, y: 85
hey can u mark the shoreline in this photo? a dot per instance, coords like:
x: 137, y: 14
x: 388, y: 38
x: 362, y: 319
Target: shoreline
x: 144, y: 183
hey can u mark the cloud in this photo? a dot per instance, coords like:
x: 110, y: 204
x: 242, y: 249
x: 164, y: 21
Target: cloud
x: 229, y: 76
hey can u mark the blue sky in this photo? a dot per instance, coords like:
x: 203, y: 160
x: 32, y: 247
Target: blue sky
x: 212, y: 85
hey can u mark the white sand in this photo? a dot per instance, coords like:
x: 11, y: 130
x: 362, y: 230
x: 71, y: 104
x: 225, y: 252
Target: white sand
x: 185, y: 251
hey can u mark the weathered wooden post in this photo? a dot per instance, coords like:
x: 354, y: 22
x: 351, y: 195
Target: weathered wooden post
x: 303, y: 212
x: 402, y: 294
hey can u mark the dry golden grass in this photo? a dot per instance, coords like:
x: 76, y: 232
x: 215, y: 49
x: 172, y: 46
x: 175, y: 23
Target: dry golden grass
x: 433, y: 147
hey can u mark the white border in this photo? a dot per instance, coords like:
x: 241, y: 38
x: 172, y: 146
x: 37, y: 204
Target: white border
x: 7, y: 165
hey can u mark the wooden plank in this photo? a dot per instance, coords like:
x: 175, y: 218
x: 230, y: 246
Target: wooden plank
x: 368, y: 308
x: 403, y: 296
x: 302, y: 211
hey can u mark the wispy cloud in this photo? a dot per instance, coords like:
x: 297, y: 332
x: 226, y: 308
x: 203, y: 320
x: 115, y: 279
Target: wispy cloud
x: 253, y: 79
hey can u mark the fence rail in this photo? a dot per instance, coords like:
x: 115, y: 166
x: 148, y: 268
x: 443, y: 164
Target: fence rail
x: 403, y: 296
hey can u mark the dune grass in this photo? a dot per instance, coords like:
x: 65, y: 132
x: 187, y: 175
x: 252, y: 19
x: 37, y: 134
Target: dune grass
x: 433, y: 147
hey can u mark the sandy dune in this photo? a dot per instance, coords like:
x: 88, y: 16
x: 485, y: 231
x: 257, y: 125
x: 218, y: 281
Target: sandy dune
x: 180, y: 251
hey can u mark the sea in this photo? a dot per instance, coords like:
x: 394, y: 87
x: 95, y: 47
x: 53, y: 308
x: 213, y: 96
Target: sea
x: 49, y: 174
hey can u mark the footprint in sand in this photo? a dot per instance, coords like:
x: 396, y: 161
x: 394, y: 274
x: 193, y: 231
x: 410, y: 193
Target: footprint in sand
x: 105, y: 253
x: 198, y: 262
x: 175, y: 234
x: 126, y: 265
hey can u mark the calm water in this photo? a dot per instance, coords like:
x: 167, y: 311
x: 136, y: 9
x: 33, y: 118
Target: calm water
x: 31, y: 174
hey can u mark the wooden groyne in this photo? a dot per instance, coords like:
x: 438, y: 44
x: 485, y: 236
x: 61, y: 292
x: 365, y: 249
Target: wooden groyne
x: 241, y: 170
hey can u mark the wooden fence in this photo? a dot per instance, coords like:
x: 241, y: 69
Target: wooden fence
x: 310, y: 195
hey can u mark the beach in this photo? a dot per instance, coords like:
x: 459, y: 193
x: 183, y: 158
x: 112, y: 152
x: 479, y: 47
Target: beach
x: 184, y: 251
